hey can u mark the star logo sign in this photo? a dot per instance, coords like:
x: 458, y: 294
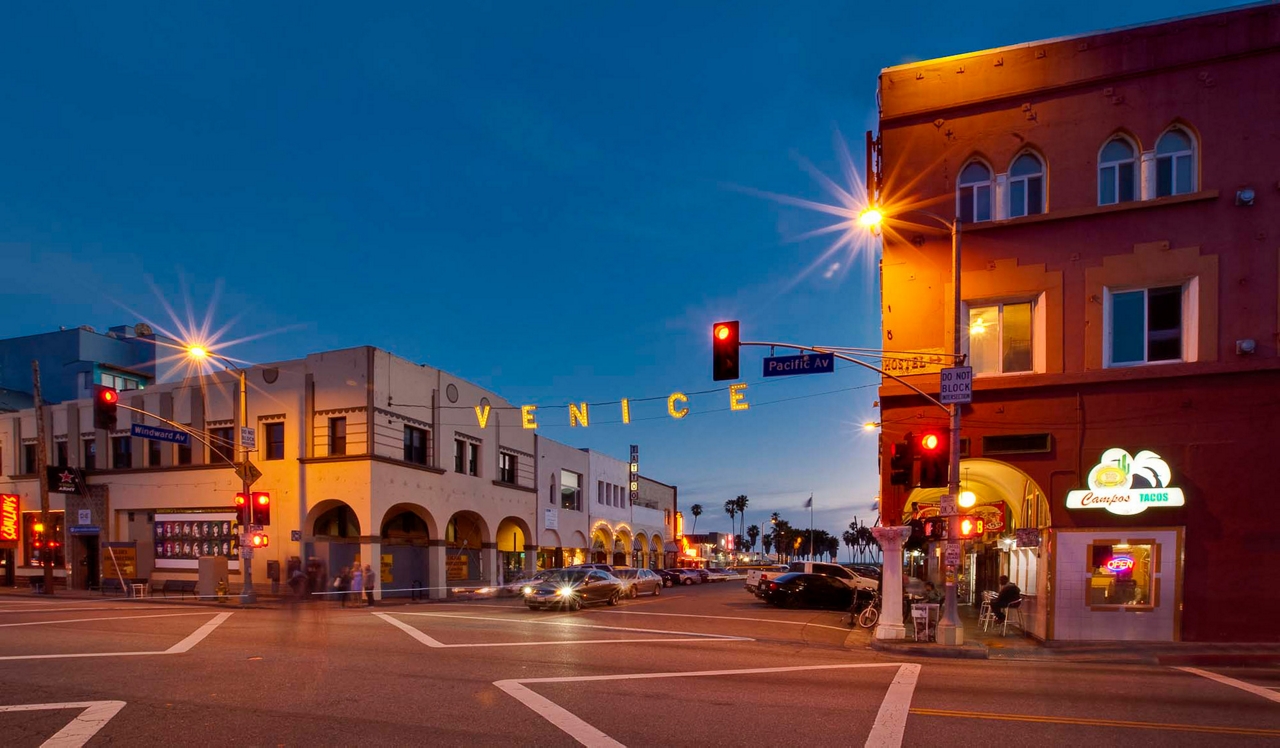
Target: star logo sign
x: 65, y: 476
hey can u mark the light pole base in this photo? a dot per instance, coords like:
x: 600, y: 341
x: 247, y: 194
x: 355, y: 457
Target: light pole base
x: 248, y: 597
x: 950, y: 634
x: 891, y: 631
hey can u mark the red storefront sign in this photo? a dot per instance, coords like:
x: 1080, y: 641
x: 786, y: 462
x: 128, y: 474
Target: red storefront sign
x: 8, y: 517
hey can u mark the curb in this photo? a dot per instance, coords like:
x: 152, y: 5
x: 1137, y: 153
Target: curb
x: 962, y: 652
x: 1220, y: 659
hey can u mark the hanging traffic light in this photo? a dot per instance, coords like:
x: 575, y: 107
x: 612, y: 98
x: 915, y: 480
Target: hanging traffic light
x: 934, y: 448
x: 261, y: 508
x: 901, y: 461
x: 724, y: 351
x: 259, y: 540
x: 242, y: 510
x: 105, y: 401
x: 970, y: 527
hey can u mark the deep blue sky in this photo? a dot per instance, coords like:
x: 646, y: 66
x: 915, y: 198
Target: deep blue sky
x: 544, y: 200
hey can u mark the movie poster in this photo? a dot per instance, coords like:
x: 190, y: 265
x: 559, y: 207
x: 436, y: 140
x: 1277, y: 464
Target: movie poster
x: 181, y: 538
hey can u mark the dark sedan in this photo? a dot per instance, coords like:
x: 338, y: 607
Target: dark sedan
x: 807, y: 591
x: 670, y: 577
x: 574, y: 588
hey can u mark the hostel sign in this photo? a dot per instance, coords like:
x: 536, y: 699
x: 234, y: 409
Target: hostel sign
x: 1124, y: 484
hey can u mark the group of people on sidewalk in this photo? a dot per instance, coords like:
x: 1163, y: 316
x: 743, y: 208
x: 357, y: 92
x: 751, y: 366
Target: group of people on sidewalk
x: 347, y: 586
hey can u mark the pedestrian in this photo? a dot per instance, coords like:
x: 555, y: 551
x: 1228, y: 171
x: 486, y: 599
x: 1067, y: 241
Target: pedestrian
x: 357, y: 584
x: 931, y: 593
x: 368, y: 584
x: 341, y: 583
x: 1008, y: 593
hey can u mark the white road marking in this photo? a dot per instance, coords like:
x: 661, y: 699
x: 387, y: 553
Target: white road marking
x: 65, y: 609
x: 182, y: 646
x: 96, y: 714
x: 679, y: 636
x: 105, y: 618
x: 1234, y: 683
x: 562, y: 622
x: 724, y: 618
x: 887, y: 731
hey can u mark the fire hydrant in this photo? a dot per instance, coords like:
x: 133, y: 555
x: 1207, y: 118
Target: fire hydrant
x: 222, y: 590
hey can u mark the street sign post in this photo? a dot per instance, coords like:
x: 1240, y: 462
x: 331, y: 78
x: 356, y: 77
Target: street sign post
x: 248, y: 472
x: 248, y: 438
x: 157, y: 434
x: 956, y: 385
x: 808, y: 363
x: 952, y: 557
x: 947, y: 507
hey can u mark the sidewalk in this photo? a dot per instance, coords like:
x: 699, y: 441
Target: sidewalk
x: 992, y: 645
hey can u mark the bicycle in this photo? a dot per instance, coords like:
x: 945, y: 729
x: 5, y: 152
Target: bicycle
x: 865, y: 612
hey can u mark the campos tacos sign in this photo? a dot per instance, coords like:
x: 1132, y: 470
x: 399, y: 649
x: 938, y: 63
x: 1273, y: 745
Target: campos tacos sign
x: 1125, y: 484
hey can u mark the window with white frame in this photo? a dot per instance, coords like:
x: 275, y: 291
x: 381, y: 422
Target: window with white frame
x: 1000, y: 337
x: 1175, y: 163
x: 973, y: 193
x: 1146, y: 325
x: 1026, y: 186
x: 1117, y: 172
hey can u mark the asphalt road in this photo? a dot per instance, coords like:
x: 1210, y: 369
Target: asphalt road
x: 698, y: 666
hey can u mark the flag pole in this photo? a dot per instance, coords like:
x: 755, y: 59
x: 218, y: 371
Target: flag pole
x: 811, y: 527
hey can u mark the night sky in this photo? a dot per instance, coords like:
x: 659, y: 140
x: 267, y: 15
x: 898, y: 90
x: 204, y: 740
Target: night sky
x: 554, y: 202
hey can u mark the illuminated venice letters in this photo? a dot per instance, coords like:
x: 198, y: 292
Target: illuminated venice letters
x: 578, y: 415
x: 675, y: 412
x: 482, y: 415
x: 526, y: 416
x: 736, y: 401
x: 626, y: 410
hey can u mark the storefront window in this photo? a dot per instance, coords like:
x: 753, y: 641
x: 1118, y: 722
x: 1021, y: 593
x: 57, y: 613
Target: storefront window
x: 1121, y: 574
x: 39, y: 539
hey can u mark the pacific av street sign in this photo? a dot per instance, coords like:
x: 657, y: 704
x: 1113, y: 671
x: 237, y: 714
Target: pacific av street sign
x: 155, y: 433
x: 805, y: 363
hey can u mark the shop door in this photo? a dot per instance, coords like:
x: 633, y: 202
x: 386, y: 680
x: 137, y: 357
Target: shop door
x: 7, y: 577
x: 84, y: 562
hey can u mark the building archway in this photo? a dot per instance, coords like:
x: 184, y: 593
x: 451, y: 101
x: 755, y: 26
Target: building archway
x: 640, y: 551
x: 576, y: 551
x: 464, y: 538
x: 622, y: 547
x: 601, y: 543
x: 656, y: 552
x: 405, y: 536
x: 513, y: 536
x: 334, y: 543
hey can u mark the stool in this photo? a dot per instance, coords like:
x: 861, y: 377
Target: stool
x: 1014, y: 608
x: 920, y: 620
x: 138, y: 590
x: 986, y: 616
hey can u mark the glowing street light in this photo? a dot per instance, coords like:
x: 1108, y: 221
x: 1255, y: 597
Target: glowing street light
x: 870, y: 426
x: 871, y: 218
x: 196, y: 351
x: 967, y: 499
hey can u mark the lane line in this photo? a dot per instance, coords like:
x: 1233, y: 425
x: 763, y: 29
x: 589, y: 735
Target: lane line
x: 1234, y: 683
x: 561, y: 622
x: 182, y: 646
x: 107, y: 618
x: 86, y: 724
x: 411, y: 631
x: 64, y: 609
x: 198, y: 635
x: 845, y: 629
x: 885, y: 733
x: 437, y: 644
x: 1089, y: 722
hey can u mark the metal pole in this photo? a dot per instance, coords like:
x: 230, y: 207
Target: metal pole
x: 950, y: 630
x: 42, y: 472
x: 247, y: 596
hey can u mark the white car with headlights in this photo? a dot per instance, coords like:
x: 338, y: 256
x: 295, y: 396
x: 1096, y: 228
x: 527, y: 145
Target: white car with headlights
x: 572, y: 589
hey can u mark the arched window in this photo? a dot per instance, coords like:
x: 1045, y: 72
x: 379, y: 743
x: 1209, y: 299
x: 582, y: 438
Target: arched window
x: 973, y: 193
x: 1175, y: 163
x: 1026, y: 186
x: 1117, y: 172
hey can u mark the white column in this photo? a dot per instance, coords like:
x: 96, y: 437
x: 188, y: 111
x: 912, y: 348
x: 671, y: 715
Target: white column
x: 891, y: 540
x: 1000, y: 196
x: 436, y: 570
x: 371, y: 556
x: 489, y: 563
x: 1148, y: 176
x: 531, y: 559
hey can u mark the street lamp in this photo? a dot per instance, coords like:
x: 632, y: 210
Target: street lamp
x: 200, y: 353
x: 950, y: 631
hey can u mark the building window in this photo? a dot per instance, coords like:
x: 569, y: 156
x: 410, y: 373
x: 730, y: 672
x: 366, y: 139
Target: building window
x: 618, y: 496
x: 60, y: 454
x: 1117, y: 172
x: 121, y: 452
x: 37, y: 543
x: 1145, y: 326
x: 973, y: 193
x: 507, y: 467
x: 600, y: 492
x: 415, y: 445
x: 221, y: 445
x: 184, y: 454
x: 28, y: 459
x: 1122, y: 575
x: 117, y: 382
x: 1000, y: 338
x: 337, y: 436
x: 275, y: 440
x: 473, y: 459
x: 90, y: 454
x: 459, y: 455
x: 570, y: 490
x: 153, y: 453
x: 1175, y: 163
x: 1026, y: 186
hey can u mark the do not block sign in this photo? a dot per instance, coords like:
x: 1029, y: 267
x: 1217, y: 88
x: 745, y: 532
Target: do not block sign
x: 957, y: 385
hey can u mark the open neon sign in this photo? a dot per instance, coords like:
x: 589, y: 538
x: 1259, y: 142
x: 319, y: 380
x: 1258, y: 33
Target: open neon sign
x: 1120, y: 563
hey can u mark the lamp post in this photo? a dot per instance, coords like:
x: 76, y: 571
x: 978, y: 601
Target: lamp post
x: 247, y: 595
x: 950, y: 631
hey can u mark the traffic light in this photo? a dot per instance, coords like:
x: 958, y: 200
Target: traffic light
x: 934, y: 448
x: 242, y: 510
x: 105, y: 401
x: 970, y: 527
x: 724, y: 351
x: 261, y: 508
x: 901, y: 461
x: 259, y: 540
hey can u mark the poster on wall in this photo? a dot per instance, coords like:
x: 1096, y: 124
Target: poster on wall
x: 457, y: 567
x: 119, y: 560
x: 181, y: 538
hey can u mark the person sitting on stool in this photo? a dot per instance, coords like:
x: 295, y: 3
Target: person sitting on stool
x: 1009, y: 593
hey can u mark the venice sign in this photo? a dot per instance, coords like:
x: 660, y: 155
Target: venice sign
x: 1124, y: 484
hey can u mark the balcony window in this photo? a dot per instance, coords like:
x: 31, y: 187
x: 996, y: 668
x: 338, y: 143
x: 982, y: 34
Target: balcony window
x: 1145, y: 326
x: 274, y: 447
x: 973, y: 193
x: 1175, y: 163
x: 1000, y: 338
x: 1026, y: 186
x: 507, y: 467
x: 1117, y: 172
x: 415, y: 445
x: 337, y: 436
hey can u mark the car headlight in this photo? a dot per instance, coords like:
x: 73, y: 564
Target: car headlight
x: 564, y: 591
x: 527, y: 590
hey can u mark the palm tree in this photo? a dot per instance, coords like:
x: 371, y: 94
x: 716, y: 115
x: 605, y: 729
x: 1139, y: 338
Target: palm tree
x: 741, y: 504
x: 850, y: 538
x: 753, y: 533
x: 696, y: 511
x: 767, y: 543
x: 731, y: 509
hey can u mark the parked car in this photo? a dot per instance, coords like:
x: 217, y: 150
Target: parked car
x: 717, y: 574
x: 601, y: 567
x: 670, y: 577
x: 686, y: 576
x: 516, y: 586
x: 703, y: 575
x: 796, y: 590
x: 639, y: 582
x: 867, y: 570
x: 851, y: 579
x: 760, y: 574
x: 574, y: 588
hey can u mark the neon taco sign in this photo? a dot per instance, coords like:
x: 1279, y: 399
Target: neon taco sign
x: 1127, y: 484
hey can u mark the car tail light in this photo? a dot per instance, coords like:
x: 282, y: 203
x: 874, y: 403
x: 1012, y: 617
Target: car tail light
x: 773, y: 585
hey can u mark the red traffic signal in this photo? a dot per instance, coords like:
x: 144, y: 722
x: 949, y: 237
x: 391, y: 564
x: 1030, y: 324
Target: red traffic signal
x: 971, y: 527
x: 934, y: 448
x: 105, y: 401
x: 261, y: 511
x: 724, y: 351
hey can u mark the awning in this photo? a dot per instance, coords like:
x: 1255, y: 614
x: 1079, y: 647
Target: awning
x: 670, y: 547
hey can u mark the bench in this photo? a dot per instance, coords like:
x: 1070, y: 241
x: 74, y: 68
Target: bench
x: 112, y: 585
x: 178, y: 587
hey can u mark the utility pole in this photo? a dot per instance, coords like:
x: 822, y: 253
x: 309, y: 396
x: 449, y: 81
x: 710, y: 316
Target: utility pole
x: 950, y: 630
x: 42, y: 473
